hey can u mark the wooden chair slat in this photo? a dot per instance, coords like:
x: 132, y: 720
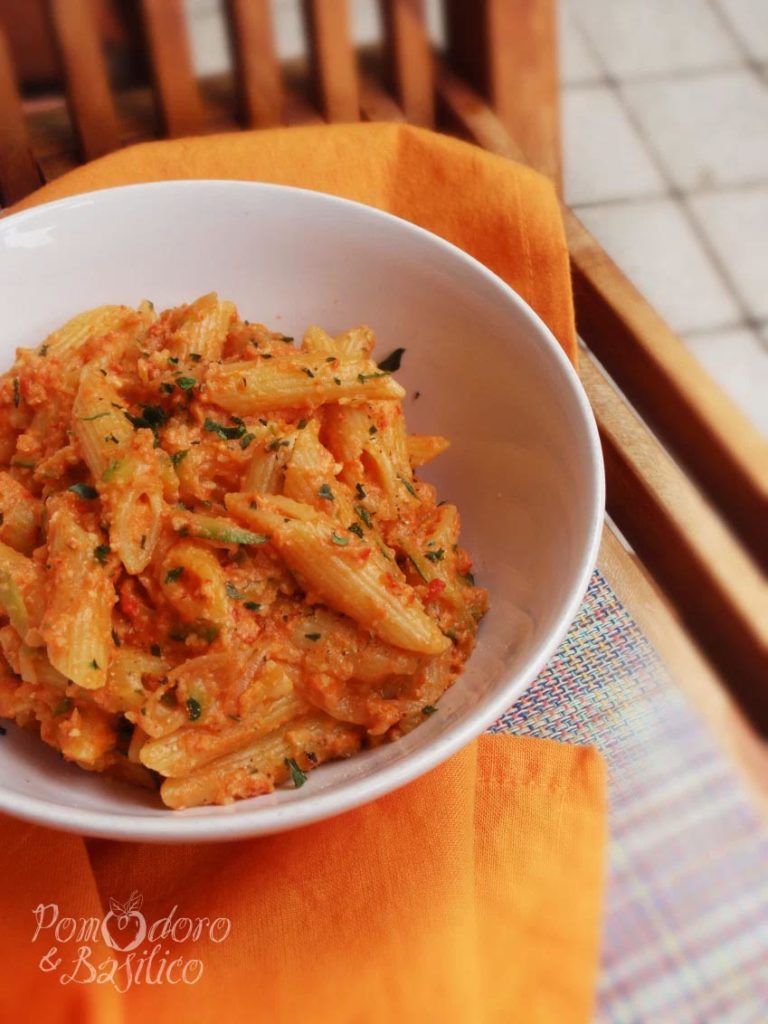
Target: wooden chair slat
x: 409, y: 55
x: 89, y: 97
x: 259, y: 80
x: 671, y: 390
x: 717, y: 589
x: 18, y: 172
x: 176, y: 87
x: 474, y: 117
x: 333, y: 59
x: 376, y: 103
x: 507, y: 50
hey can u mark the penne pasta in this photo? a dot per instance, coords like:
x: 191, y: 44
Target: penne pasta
x: 217, y: 568
x: 77, y: 622
x: 244, y: 389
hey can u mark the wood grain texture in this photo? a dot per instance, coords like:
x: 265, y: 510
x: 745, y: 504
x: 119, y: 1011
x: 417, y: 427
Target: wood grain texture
x: 259, y: 81
x: 683, y: 660
x: 717, y: 589
x: 333, y: 59
x: 472, y: 115
x: 89, y: 96
x: 409, y: 59
x: 376, y: 103
x: 671, y: 390
x: 18, y: 172
x: 507, y: 50
x: 176, y: 88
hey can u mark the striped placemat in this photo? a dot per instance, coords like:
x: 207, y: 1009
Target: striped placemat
x: 686, y: 925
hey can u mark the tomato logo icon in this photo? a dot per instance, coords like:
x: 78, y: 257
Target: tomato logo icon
x: 124, y: 927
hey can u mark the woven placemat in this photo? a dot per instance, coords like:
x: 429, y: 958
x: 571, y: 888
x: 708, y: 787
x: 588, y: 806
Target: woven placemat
x: 686, y: 922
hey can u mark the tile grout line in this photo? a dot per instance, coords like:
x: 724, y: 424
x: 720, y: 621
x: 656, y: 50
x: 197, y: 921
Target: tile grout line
x: 755, y: 66
x: 677, y: 195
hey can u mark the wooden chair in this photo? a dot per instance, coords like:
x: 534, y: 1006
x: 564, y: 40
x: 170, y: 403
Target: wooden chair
x: 687, y: 474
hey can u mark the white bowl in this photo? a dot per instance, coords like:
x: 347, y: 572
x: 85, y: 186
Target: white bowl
x: 524, y: 466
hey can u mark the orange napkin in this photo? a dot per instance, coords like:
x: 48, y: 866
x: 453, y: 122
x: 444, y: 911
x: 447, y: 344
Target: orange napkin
x: 470, y: 896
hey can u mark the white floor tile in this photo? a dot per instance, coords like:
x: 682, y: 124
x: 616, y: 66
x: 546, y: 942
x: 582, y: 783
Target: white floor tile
x: 749, y: 20
x: 707, y: 130
x: 651, y: 37
x: 603, y: 156
x: 739, y: 363
x: 208, y: 40
x: 577, y: 65
x: 655, y: 246
x: 736, y: 224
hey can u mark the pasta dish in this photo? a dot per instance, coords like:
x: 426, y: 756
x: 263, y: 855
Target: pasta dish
x: 217, y: 568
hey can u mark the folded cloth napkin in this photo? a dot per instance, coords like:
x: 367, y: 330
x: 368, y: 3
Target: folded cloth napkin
x: 470, y: 896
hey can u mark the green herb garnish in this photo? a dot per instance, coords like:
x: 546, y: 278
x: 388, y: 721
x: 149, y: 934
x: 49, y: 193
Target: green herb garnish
x: 428, y: 709
x: 173, y: 574
x: 357, y: 529
x: 193, y: 709
x: 435, y: 556
x: 341, y: 541
x: 100, y: 553
x: 298, y: 776
x: 84, y: 491
x: 312, y: 636
x: 325, y: 492
x: 392, y: 362
x: 228, y: 433
x: 365, y: 515
x: 179, y: 456
x: 64, y: 705
x: 185, y: 383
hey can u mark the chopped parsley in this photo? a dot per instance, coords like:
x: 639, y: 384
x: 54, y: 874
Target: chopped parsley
x: 64, y: 706
x: 116, y: 639
x: 90, y: 419
x: 341, y: 541
x: 325, y: 492
x: 152, y: 417
x: 470, y: 579
x: 357, y: 529
x: 298, y: 776
x: 408, y: 486
x: 307, y: 371
x: 435, y: 556
x: 365, y: 515
x: 173, y: 360
x: 84, y: 491
x: 312, y: 636
x: 166, y: 387
x: 16, y: 392
x: 185, y: 383
x: 100, y: 553
x: 363, y: 377
x: 94, y: 664
x: 428, y: 709
x: 168, y: 699
x: 373, y: 429
x: 360, y: 491
x: 233, y: 592
x: 155, y: 650
x: 301, y: 424
x: 245, y: 440
x: 193, y: 709
x: 173, y: 574
x: 179, y: 456
x: 228, y: 433
x: 195, y: 357
x: 392, y: 362
x: 252, y: 606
